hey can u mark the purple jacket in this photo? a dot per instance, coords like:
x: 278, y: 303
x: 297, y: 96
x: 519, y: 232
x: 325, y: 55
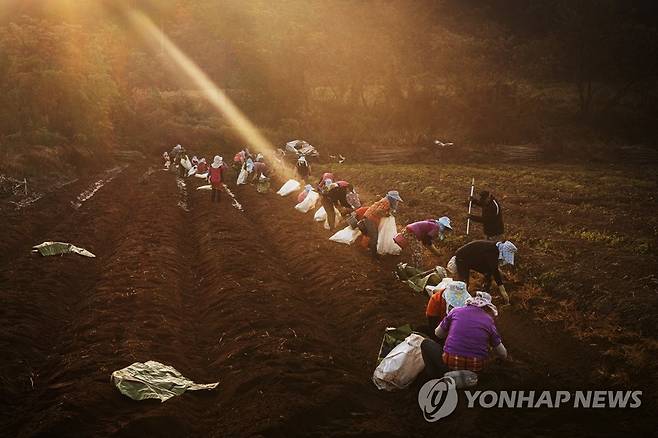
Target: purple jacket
x: 471, y: 331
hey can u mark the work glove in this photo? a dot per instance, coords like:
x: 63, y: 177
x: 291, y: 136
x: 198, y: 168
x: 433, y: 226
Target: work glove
x: 504, y: 294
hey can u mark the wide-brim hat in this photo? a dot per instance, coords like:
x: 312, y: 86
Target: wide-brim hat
x: 482, y: 299
x: 445, y: 221
x: 394, y: 194
x: 456, y: 294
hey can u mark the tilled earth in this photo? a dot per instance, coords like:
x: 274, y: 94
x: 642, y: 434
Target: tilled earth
x: 260, y: 300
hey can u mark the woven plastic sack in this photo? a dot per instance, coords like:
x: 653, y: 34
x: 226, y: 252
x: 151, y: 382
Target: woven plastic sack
x: 347, y: 235
x: 242, y: 177
x: 290, y: 186
x: 337, y: 218
x: 320, y: 215
x: 401, y: 366
x: 308, y: 203
x: 385, y: 242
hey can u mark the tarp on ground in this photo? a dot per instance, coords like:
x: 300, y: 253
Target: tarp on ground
x: 392, y: 337
x: 152, y: 379
x: 301, y: 147
x: 57, y: 248
x: 418, y: 280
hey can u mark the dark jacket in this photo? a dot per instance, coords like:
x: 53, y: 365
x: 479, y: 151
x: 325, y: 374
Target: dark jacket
x: 492, y: 217
x: 481, y: 256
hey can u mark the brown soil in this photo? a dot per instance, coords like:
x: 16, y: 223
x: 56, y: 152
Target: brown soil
x: 288, y: 322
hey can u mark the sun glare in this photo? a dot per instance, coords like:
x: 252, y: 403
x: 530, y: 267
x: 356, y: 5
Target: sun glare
x: 219, y: 100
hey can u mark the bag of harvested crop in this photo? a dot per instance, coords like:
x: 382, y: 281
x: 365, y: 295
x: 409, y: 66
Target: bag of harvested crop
x: 385, y: 242
x: 308, y: 203
x: 320, y: 215
x: 290, y: 186
x: 337, y: 218
x: 401, y: 366
x: 347, y: 235
x: 242, y: 177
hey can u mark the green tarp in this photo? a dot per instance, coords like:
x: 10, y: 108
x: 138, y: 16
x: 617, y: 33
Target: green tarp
x: 417, y: 279
x: 392, y: 337
x: 56, y: 248
x: 152, y: 379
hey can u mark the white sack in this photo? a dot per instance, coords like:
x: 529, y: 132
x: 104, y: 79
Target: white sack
x: 347, y: 235
x: 242, y: 176
x: 387, y: 231
x: 337, y: 218
x: 309, y: 202
x: 201, y: 175
x: 320, y: 215
x: 401, y: 366
x: 290, y: 186
x: 186, y: 163
x: 192, y: 171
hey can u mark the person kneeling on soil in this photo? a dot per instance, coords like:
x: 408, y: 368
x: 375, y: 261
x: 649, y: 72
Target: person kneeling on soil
x: 385, y: 207
x: 423, y: 234
x: 470, y: 333
x: 442, y: 302
x: 215, y: 177
x: 335, y: 195
x: 483, y: 256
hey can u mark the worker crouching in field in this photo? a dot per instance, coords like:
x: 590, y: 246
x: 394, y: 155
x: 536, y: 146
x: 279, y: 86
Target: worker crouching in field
x: 336, y: 195
x: 417, y: 236
x: 303, y: 168
x: 442, y: 302
x: 202, y: 167
x: 492, y: 215
x: 260, y: 168
x: 483, y: 256
x: 215, y: 177
x: 385, y: 207
x: 470, y: 335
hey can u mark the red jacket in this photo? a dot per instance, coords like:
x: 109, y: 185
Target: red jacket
x: 215, y: 174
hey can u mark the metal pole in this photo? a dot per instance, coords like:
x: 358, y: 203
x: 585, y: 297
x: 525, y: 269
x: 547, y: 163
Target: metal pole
x: 470, y: 205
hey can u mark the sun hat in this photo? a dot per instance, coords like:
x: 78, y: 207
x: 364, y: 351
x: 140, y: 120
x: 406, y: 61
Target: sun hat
x: 395, y: 195
x: 482, y: 299
x: 445, y: 221
x: 456, y: 294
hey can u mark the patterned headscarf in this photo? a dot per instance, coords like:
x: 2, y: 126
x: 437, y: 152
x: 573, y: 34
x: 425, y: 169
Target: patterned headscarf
x: 482, y: 299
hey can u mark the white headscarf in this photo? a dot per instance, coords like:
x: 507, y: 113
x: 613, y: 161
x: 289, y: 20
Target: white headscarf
x: 482, y: 299
x: 506, y: 251
x: 216, y: 162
